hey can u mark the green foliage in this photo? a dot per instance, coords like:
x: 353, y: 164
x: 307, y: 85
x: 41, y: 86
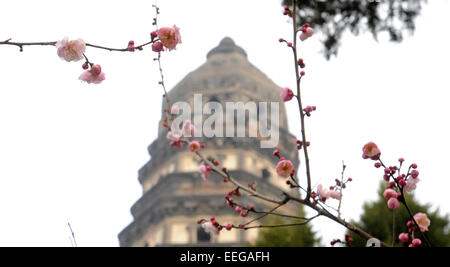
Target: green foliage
x: 377, y: 220
x: 334, y: 17
x: 290, y: 236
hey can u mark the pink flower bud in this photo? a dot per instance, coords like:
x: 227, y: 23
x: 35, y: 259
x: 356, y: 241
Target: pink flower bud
x: 414, y: 166
x: 276, y: 152
x: 94, y: 75
x: 414, y: 174
x: 96, y: 69
x: 416, y: 242
x: 401, y: 160
x: 157, y: 47
x: 228, y: 227
x: 403, y: 237
x: 153, y: 35
x: 410, y: 224
x: 377, y: 165
x: 131, y: 46
x: 286, y: 94
x: 238, y: 209
x: 306, y: 32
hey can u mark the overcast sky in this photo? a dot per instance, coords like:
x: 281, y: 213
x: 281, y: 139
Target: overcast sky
x: 70, y: 152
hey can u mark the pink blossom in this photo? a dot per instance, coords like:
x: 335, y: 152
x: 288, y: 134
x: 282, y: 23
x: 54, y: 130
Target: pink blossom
x: 322, y: 192
x: 194, y: 146
x: 286, y: 94
x: 204, y: 171
x: 335, y: 194
x: 175, y: 110
x: 416, y: 242
x: 284, y: 168
x: 170, y: 37
x: 423, y: 221
x: 403, y: 237
x: 393, y: 203
x: 188, y: 128
x: 390, y: 193
x: 414, y: 174
x: 70, y: 50
x: 172, y: 136
x: 306, y: 32
x: 94, y: 75
x: 370, y: 150
x: 157, y: 47
x: 210, y: 228
x: 411, y: 185
x: 130, y: 46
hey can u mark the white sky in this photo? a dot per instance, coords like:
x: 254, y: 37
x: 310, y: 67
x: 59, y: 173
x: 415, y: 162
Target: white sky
x: 70, y: 151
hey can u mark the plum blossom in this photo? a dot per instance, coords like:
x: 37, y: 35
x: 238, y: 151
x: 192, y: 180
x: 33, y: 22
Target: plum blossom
x: 423, y: 221
x: 175, y: 110
x: 403, y: 237
x: 157, y: 47
x: 194, y: 146
x: 393, y: 203
x: 205, y: 171
x: 172, y: 136
x: 210, y: 228
x: 70, y: 50
x: 335, y: 194
x: 169, y: 37
x: 322, y: 192
x: 286, y: 94
x: 411, y: 185
x: 188, y: 128
x: 370, y: 150
x: 307, y: 32
x: 416, y: 242
x: 94, y: 75
x: 284, y: 168
x: 390, y: 193
x: 414, y: 174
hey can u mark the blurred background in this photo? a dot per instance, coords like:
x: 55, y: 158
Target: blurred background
x: 70, y: 152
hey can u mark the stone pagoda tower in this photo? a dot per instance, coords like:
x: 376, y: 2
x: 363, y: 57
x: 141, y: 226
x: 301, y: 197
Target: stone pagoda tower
x: 174, y: 195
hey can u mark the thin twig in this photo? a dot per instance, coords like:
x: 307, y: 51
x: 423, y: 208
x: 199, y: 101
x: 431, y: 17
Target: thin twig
x: 53, y: 43
x: 278, y: 225
x: 299, y: 100
x: 73, y: 234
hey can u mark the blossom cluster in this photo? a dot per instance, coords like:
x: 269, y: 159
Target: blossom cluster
x: 399, y: 184
x: 73, y: 50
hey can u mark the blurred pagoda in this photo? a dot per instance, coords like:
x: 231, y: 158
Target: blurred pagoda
x: 175, y: 196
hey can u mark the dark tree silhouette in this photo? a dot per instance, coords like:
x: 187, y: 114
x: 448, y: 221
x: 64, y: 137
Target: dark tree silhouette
x: 334, y: 17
